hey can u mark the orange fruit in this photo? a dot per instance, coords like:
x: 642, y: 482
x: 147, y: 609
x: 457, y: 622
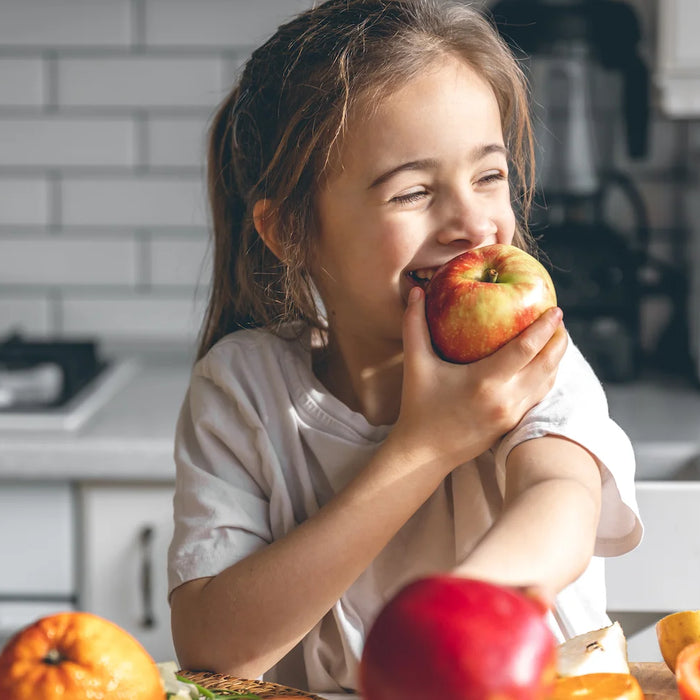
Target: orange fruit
x: 597, y: 686
x: 676, y: 631
x: 75, y: 656
x: 688, y: 672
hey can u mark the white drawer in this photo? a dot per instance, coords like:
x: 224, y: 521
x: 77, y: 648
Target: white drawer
x: 16, y: 615
x: 37, y: 548
x: 662, y: 574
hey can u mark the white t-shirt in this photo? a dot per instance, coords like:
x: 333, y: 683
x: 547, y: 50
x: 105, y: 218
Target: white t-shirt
x: 261, y: 445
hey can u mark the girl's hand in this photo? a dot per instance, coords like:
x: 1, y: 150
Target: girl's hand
x: 462, y: 410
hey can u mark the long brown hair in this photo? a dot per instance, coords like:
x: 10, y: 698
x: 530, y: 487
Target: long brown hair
x: 272, y: 138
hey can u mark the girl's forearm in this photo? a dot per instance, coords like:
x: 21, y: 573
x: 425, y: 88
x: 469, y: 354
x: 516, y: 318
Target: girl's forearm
x: 546, y: 533
x: 542, y: 540
x: 245, y: 619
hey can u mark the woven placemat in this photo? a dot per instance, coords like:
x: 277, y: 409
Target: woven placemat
x: 220, y: 683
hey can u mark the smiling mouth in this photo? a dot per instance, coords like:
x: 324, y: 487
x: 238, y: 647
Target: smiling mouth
x: 422, y: 276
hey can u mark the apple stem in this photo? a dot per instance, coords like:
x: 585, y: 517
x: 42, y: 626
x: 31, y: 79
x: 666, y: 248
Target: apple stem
x: 491, y: 275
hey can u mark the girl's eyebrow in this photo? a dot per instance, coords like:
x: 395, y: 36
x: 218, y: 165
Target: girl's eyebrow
x: 477, y: 153
x: 481, y: 151
x: 422, y: 164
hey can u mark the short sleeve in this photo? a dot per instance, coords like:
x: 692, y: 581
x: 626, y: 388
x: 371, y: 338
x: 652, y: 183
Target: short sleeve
x: 576, y: 408
x: 221, y: 504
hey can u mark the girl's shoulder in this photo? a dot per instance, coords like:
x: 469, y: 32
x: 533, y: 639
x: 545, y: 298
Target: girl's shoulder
x: 284, y: 340
x: 255, y: 353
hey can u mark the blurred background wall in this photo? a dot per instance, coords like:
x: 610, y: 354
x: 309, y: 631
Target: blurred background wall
x: 104, y: 106
x: 103, y: 111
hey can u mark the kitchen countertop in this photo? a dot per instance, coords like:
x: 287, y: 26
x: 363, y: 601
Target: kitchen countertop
x: 661, y: 416
x: 131, y: 437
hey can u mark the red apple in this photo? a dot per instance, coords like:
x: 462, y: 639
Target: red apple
x: 450, y: 638
x: 478, y: 301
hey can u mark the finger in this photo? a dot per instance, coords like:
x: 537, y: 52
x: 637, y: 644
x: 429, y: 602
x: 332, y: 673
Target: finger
x: 416, y: 336
x: 545, y: 364
x: 548, y: 358
x: 555, y: 347
x: 539, y: 376
x: 522, y: 350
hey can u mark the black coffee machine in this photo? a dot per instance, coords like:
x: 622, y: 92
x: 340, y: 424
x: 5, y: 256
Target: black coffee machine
x: 596, y: 264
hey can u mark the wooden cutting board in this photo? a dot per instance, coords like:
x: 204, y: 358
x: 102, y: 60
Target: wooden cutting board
x: 657, y: 681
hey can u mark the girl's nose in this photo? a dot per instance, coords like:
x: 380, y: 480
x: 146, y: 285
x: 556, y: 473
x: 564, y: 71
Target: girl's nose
x: 467, y: 223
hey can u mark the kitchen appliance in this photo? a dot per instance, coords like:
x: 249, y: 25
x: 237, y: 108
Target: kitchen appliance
x: 566, y: 44
x: 600, y: 268
x: 56, y: 384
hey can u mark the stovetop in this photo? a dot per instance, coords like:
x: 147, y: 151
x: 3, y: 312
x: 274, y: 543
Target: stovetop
x: 55, y: 383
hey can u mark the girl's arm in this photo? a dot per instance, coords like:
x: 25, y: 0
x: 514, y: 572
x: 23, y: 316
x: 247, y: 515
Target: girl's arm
x: 546, y: 533
x: 245, y: 619
x: 242, y: 621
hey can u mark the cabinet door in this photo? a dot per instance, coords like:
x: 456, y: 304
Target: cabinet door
x: 36, y: 542
x: 16, y: 614
x: 662, y: 573
x: 126, y: 530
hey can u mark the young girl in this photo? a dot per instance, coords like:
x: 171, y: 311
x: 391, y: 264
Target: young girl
x: 325, y: 455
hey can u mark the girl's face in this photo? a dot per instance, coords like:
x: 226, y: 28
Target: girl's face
x: 424, y: 177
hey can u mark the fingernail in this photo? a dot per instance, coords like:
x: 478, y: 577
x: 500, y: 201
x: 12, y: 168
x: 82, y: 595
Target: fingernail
x: 414, y: 295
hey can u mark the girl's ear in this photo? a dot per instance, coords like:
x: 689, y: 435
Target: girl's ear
x: 264, y: 222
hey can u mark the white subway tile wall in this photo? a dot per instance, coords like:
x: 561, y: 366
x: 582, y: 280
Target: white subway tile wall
x: 139, y: 82
x: 215, y: 22
x: 24, y: 200
x: 174, y: 142
x: 68, y: 23
x: 104, y: 108
x: 22, y: 81
x: 32, y: 309
x: 50, y: 260
x: 61, y: 141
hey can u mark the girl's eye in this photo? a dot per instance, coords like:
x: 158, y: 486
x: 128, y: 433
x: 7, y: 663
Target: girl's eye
x: 495, y: 176
x: 410, y: 197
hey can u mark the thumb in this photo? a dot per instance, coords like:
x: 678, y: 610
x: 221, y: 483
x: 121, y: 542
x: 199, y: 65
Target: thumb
x: 416, y: 336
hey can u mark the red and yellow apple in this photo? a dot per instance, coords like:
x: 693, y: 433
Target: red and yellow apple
x: 478, y: 301
x: 462, y: 639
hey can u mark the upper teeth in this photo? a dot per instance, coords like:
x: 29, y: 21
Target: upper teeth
x: 423, y: 274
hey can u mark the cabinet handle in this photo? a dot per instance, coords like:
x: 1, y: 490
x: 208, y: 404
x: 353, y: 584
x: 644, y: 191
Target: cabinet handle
x: 148, y: 620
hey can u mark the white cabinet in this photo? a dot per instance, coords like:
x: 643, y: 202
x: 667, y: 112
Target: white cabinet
x: 37, y: 553
x: 125, y: 531
x: 660, y: 576
x: 678, y: 62
x: 36, y: 540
